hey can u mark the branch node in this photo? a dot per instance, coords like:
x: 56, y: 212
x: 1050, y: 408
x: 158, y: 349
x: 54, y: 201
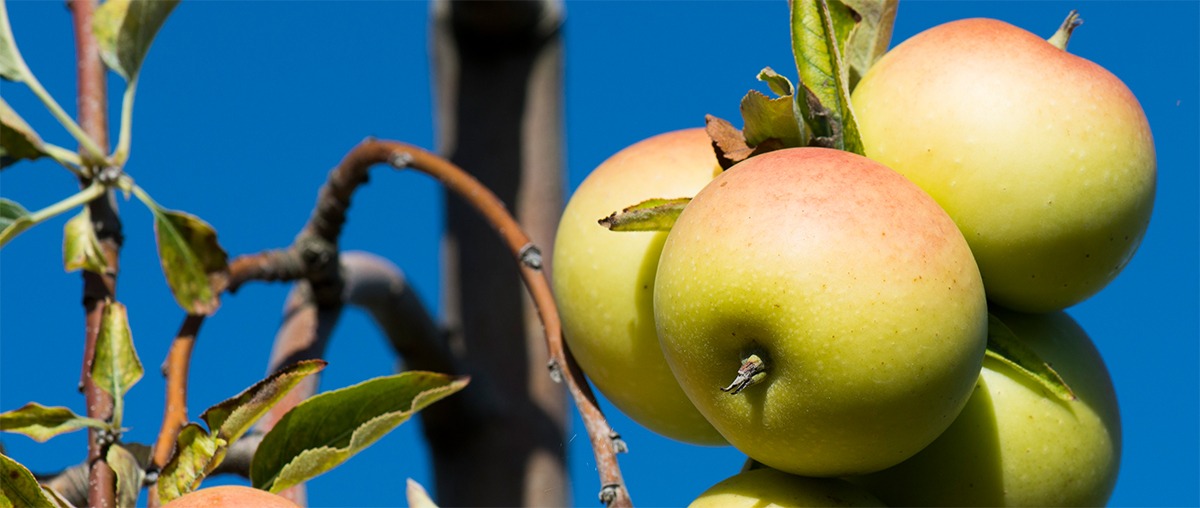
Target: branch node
x: 619, y: 445
x: 556, y: 373
x: 530, y: 256
x: 609, y: 492
x: 400, y: 160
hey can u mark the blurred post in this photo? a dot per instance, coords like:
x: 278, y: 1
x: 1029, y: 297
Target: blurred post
x: 497, y: 68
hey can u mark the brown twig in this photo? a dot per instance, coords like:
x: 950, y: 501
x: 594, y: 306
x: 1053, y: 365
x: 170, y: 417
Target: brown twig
x: 91, y: 98
x: 175, y: 369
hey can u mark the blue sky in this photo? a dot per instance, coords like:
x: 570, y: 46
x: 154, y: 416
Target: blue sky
x: 244, y: 106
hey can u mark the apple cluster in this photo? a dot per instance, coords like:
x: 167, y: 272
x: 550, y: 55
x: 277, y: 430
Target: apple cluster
x: 831, y: 315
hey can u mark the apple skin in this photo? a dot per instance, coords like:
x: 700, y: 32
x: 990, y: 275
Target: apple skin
x: 854, y: 285
x: 1044, y: 159
x: 1015, y: 444
x: 603, y: 281
x: 764, y: 488
x: 230, y: 496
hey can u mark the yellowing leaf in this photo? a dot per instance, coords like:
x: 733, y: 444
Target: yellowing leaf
x: 115, y: 367
x: 19, y: 488
x: 125, y: 29
x: 129, y: 474
x: 232, y: 417
x: 870, y: 38
x: 17, y: 139
x: 42, y: 423
x: 655, y: 214
x: 194, y: 263
x: 323, y: 431
x: 196, y: 454
x: 81, y: 248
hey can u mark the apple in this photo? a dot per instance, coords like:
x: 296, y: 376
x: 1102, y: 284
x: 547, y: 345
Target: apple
x: 1044, y: 159
x: 838, y: 297
x: 603, y: 280
x: 1016, y: 444
x: 230, y: 496
x: 764, y: 488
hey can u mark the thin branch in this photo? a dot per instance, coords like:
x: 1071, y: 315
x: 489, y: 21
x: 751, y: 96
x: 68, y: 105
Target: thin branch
x: 175, y: 369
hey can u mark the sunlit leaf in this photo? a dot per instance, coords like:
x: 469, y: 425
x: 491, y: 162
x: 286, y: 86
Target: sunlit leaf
x: 41, y: 423
x: 1004, y: 345
x: 17, y: 139
x: 650, y: 215
x: 12, y: 67
x: 417, y: 496
x: 770, y: 118
x: 870, y: 38
x: 231, y: 418
x: 115, y: 367
x: 125, y: 29
x: 14, y: 219
x: 129, y: 474
x: 19, y: 488
x: 196, y: 454
x: 780, y: 84
x: 819, y: 31
x: 323, y: 431
x: 194, y: 263
x: 81, y: 247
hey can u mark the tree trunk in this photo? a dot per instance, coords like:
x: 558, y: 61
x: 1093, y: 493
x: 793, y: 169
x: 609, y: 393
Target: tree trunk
x: 498, y: 84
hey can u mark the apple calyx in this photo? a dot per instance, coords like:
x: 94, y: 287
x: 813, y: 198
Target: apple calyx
x: 752, y: 372
x: 1063, y: 35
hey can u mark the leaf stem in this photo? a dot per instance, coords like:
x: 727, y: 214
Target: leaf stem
x: 78, y: 199
x: 124, y: 139
x: 67, y: 158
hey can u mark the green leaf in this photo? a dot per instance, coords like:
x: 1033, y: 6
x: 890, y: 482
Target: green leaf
x: 194, y: 263
x: 870, y: 38
x: 196, y: 455
x: 42, y: 423
x: 129, y: 474
x: 14, y: 219
x: 766, y: 118
x: 325, y: 430
x: 18, y: 486
x: 819, y: 31
x: 781, y: 85
x: 81, y: 247
x: 115, y: 367
x: 17, y: 139
x: 231, y: 418
x: 650, y: 215
x: 1005, y: 346
x: 125, y: 29
x: 12, y: 66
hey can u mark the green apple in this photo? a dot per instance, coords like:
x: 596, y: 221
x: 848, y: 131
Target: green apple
x: 604, y: 281
x: 765, y: 488
x: 1016, y: 444
x: 840, y: 299
x: 1044, y: 159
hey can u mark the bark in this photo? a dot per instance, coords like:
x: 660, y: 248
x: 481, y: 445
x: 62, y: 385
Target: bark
x: 498, y: 83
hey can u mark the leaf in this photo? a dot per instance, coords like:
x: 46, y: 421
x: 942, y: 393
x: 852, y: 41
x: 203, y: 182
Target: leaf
x: 18, y: 486
x: 781, y: 85
x: 231, y: 418
x: 325, y: 430
x: 196, y: 455
x: 81, y: 247
x: 870, y: 38
x: 42, y: 423
x: 1004, y: 345
x: 655, y: 214
x: 124, y: 30
x: 129, y: 474
x: 417, y: 496
x: 12, y: 66
x: 766, y: 119
x: 14, y: 219
x: 194, y: 263
x: 17, y: 139
x: 819, y: 30
x: 115, y: 367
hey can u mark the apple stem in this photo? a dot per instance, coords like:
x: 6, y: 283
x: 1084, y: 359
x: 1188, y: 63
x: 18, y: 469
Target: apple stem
x: 752, y: 371
x: 1063, y: 35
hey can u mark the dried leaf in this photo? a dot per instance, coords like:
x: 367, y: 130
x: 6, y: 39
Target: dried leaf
x: 232, y: 417
x: 42, y: 423
x: 870, y: 38
x: 655, y: 214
